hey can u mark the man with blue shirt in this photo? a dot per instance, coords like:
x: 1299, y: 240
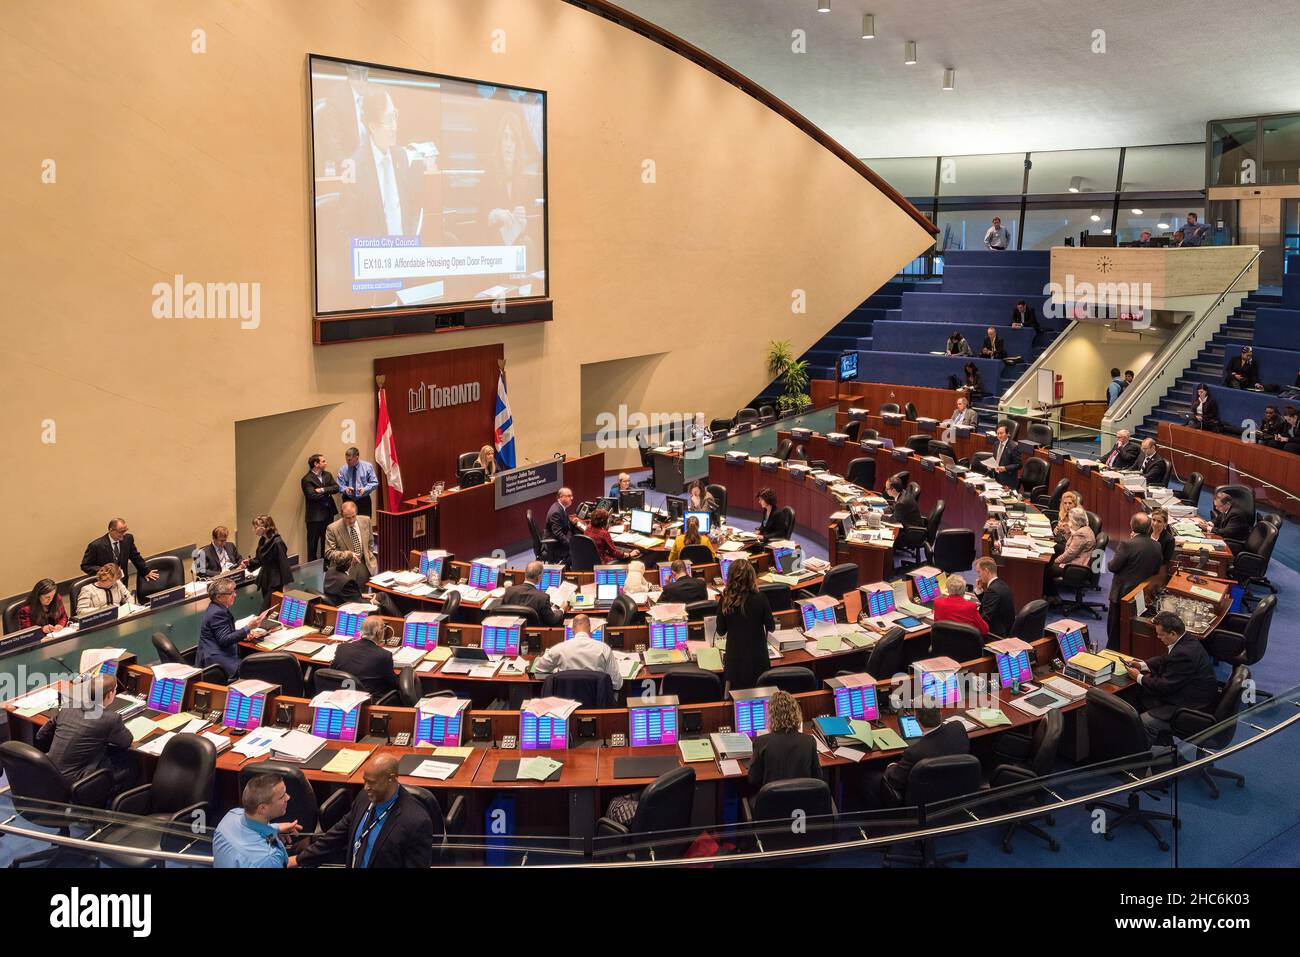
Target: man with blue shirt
x: 386, y: 827
x: 246, y: 837
x: 357, y: 480
x: 1193, y: 232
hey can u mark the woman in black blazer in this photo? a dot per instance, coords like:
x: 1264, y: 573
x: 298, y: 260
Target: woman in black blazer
x: 271, y: 561
x: 1162, y: 534
x: 785, y: 752
x: 744, y: 619
x: 1205, y: 410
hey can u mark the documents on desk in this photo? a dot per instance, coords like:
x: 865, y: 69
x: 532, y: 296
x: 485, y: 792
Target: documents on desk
x: 695, y: 749
x: 668, y: 611
x: 325, y: 654
x: 849, y: 754
x: 434, y: 770
x: 258, y: 743
x: 562, y: 593
x: 407, y: 656
x: 296, y: 746
x: 92, y: 658
x: 989, y: 717
x: 219, y: 741
x: 342, y: 698
x: 278, y: 639
x: 384, y: 579
x: 155, y: 745
x: 732, y: 745
x: 557, y: 707
x: 140, y: 727
x: 34, y: 702
x: 485, y: 669
x: 441, y: 705
x: 536, y: 769
x: 629, y: 663
x: 174, y: 669
x: 1064, y: 687
x: 346, y: 760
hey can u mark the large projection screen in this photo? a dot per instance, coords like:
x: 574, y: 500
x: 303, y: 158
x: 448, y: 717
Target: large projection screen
x: 428, y: 190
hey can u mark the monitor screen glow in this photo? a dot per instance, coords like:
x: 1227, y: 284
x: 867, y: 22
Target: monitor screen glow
x: 655, y: 725
x: 705, y: 520
x: 542, y: 732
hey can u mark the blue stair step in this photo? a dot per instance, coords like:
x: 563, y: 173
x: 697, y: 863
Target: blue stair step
x: 991, y: 280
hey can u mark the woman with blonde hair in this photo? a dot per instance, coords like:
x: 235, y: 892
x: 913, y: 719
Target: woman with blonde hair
x: 107, y: 589
x: 785, y: 752
x: 487, y: 461
x: 1069, y: 499
x: 744, y: 619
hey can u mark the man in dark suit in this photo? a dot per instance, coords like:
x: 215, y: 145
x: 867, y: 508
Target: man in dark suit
x: 218, y: 637
x: 1024, y: 315
x: 318, y: 489
x: 343, y: 580
x: 116, y: 548
x: 684, y: 588
x: 1150, y: 463
x: 220, y: 554
x: 997, y: 604
x: 527, y: 593
x: 86, y: 736
x: 1123, y: 454
x: 559, y: 526
x: 1134, y: 562
x: 1243, y: 370
x: 385, y: 199
x: 387, y: 826
x: 1228, y: 521
x: 1004, y: 463
x: 366, y: 661
x: 994, y: 346
x: 904, y: 509
x: 949, y: 738
x: 1181, y: 678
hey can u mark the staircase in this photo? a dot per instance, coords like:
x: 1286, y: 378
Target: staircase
x: 1207, y: 367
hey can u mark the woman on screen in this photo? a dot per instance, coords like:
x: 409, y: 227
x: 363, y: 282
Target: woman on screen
x: 512, y: 186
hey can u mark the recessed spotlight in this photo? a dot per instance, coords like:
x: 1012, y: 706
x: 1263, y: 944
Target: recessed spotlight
x: 909, y: 53
x: 949, y: 78
x: 1162, y: 225
x: 1076, y: 184
x: 1136, y: 212
x: 1106, y: 231
x: 868, y: 26
x: 823, y: 6
x: 1095, y: 218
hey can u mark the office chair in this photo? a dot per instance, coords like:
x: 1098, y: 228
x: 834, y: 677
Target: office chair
x: 1161, y: 476
x: 719, y: 493
x: 886, y: 659
x: 443, y: 824
x: 889, y: 407
x: 919, y: 443
x: 954, y: 550
x: 466, y: 460
x: 746, y: 416
x: 1051, y: 504
x: 277, y: 667
x: 909, y: 412
x: 784, y: 449
x: 595, y: 689
x: 168, y: 653
x: 170, y: 574
x: 11, y: 614
x: 1190, y: 493
x: 451, y: 605
x: 526, y: 612
x: 867, y: 435
x: 1243, y: 639
x: 777, y: 802
x: 1040, y: 434
x: 1094, y: 522
x: 782, y: 522
x: 583, y: 556
x: 312, y: 815
x: 336, y: 679
x: 409, y: 691
x: 914, y: 490
x: 699, y: 610
x: 698, y: 555
x: 1115, y: 730
x: 956, y: 640
x: 940, y: 447
x: 1082, y: 578
x: 664, y: 805
x: 840, y: 579
x: 1250, y: 564
x: 766, y: 413
x: 719, y: 425
x: 862, y: 472
x: 1033, y: 476
x: 177, y: 801
x: 541, y: 546
x: 778, y: 595
x: 471, y: 478
x: 623, y: 613
x: 692, y: 685
x: 912, y: 539
x: 1243, y: 497
x: 932, y: 781
x: 1188, y: 723
x: 1035, y: 760
x: 74, y: 590
x: 792, y: 678
x: 932, y: 523
x: 32, y: 777
x: 851, y: 429
x: 1031, y: 622
x: 646, y: 452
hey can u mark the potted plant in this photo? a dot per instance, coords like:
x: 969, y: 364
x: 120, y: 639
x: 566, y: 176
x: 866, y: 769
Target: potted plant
x: 793, y: 373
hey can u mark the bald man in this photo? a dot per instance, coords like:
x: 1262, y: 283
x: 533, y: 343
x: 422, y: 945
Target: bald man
x: 386, y: 827
x: 352, y: 534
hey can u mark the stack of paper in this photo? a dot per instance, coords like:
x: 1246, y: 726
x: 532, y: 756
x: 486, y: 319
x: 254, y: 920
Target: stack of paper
x: 92, y: 658
x: 695, y: 749
x: 325, y: 654
x: 668, y: 611
x: 346, y: 761
x: 174, y: 669
x: 296, y: 746
x: 536, y: 769
x: 342, y: 699
x: 434, y: 770
x: 557, y: 707
x: 156, y: 745
x: 257, y: 743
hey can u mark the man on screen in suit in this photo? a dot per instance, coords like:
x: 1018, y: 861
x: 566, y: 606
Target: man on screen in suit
x: 1132, y: 563
x: 336, y: 118
x: 1004, y: 463
x: 117, y: 547
x: 1123, y: 455
x: 318, y: 489
x: 559, y: 526
x: 385, y: 199
x: 527, y: 593
x: 997, y: 604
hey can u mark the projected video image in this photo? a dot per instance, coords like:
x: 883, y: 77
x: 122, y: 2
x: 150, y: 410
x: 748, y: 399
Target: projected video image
x: 428, y: 190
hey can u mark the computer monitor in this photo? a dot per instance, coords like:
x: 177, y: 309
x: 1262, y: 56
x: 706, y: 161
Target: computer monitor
x: 812, y: 614
x: 244, y: 712
x: 167, y: 694
x: 420, y: 630
x: 652, y: 721
x: 608, y: 503
x: 847, y: 369
x: 880, y: 601
x: 1071, y: 643
x: 542, y: 732
x: 293, y: 609
x: 705, y: 519
x: 501, y: 635
x: 750, y: 707
x: 348, y: 624
x: 666, y: 573
x: 606, y: 592
x: 335, y: 724
x: 1013, y: 669
x: 432, y: 563
x: 787, y: 559
x: 597, y: 629
x: 927, y: 588
x: 108, y: 667
x: 669, y: 634
x: 855, y: 697
x: 676, y: 506
x: 642, y: 521
x: 611, y: 574
x: 439, y: 728
x: 484, y: 573
x: 631, y: 498
x: 724, y: 568
x: 552, y: 577
x: 940, y: 686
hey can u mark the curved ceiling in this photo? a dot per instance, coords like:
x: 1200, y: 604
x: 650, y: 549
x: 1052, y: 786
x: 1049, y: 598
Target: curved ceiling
x: 1027, y: 74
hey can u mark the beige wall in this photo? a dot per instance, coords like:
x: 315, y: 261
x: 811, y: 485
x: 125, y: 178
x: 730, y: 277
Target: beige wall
x: 1084, y: 360
x: 170, y: 161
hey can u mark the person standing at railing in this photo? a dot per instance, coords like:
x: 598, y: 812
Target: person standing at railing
x: 997, y: 238
x: 1193, y: 232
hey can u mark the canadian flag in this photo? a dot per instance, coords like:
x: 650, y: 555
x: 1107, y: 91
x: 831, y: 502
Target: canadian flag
x: 386, y: 454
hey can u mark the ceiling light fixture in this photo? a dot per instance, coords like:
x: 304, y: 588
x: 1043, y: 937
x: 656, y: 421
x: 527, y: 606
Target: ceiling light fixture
x: 1076, y: 183
x: 1162, y: 225
x: 1106, y: 231
x: 1095, y: 218
x: 909, y: 53
x: 823, y: 6
x: 1136, y: 212
x: 868, y: 26
x: 949, y: 78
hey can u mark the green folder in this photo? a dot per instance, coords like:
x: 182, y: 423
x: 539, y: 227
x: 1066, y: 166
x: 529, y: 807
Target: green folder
x: 858, y: 639
x: 887, y: 739
x: 536, y: 769
x: 863, y: 732
x: 696, y: 749
x: 710, y: 659
x: 989, y: 717
x: 828, y: 643
x: 658, y: 656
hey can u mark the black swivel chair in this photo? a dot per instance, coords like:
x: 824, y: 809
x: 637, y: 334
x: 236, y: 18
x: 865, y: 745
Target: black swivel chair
x: 940, y: 447
x: 1243, y: 639
x: 168, y: 653
x: 1115, y: 730
x: 595, y: 689
x: 75, y: 589
x: 177, y: 801
x: 1031, y: 621
x: 887, y: 655
x: 909, y: 412
x: 583, y: 556
x: 526, y: 612
x: 1040, y: 434
x: 889, y: 407
x: 866, y: 434
x: 664, y: 805
x: 784, y: 449
x: 746, y: 415
x: 277, y: 667
x: 1085, y: 578
x: 851, y: 429
x: 862, y: 472
x: 954, y: 550
x: 840, y: 579
x: 919, y: 443
x: 956, y: 640
x: 932, y: 523
x: 11, y: 614
x: 451, y: 605
x: 782, y: 522
x: 698, y: 555
x: 1188, y: 723
x: 171, y: 573
x: 693, y: 685
x: 777, y: 802
x: 1033, y: 476
x: 719, y: 425
x: 766, y: 413
x: 1035, y: 758
x: 1243, y: 497
x: 336, y: 679
x: 623, y: 612
x: 1190, y: 493
x: 443, y: 824
x: 1161, y: 475
x: 1250, y: 563
x: 409, y: 691
x: 44, y: 797
x: 466, y: 466
x: 1094, y: 522
x: 778, y: 595
x: 932, y: 781
x: 792, y: 678
x: 312, y: 815
x: 699, y: 610
x: 1051, y: 504
x: 719, y: 493
x: 541, y: 546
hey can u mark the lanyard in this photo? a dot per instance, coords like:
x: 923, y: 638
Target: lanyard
x: 376, y: 820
